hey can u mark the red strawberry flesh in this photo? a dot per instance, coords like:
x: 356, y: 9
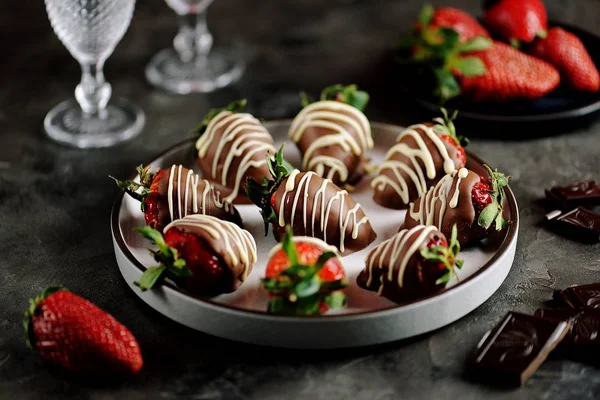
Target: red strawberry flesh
x: 208, y: 274
x: 69, y: 331
x: 463, y: 23
x: 568, y: 54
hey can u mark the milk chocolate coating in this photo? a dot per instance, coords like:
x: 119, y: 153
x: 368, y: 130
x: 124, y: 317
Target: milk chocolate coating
x: 310, y: 203
x: 354, y: 163
x: 218, y: 247
x: 213, y: 204
x: 412, y: 287
x: 387, y: 196
x: 463, y: 215
x: 257, y: 173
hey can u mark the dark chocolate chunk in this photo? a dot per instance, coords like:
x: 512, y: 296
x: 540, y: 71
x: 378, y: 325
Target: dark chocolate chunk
x: 586, y: 193
x: 583, y: 296
x: 513, y: 350
x: 585, y: 324
x: 580, y: 223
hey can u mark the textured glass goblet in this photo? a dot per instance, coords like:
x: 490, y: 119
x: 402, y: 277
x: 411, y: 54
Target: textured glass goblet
x: 193, y: 65
x: 90, y: 30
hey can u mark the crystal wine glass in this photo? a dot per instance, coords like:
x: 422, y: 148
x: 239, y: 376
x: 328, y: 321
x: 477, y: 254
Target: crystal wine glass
x: 90, y: 30
x: 193, y: 65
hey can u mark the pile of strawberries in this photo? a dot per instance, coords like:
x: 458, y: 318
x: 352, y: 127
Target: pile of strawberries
x: 524, y: 59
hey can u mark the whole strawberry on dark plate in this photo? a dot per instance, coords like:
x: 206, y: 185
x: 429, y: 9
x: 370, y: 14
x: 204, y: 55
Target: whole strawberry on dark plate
x: 528, y: 94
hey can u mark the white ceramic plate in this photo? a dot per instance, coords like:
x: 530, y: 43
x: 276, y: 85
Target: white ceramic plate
x: 367, y: 320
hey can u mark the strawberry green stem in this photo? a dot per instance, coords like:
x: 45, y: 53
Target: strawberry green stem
x: 232, y: 107
x: 168, y: 257
x: 260, y: 193
x: 298, y: 290
x: 493, y: 213
x: 140, y: 190
x: 33, y: 305
x: 446, y: 256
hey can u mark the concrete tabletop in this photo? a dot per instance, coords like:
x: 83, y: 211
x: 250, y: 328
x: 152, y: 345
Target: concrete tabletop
x: 55, y: 204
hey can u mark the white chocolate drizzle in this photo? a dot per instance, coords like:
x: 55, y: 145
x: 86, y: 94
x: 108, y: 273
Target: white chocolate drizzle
x: 248, y: 137
x: 439, y: 192
x: 320, y: 205
x: 311, y: 240
x: 238, y: 244
x: 178, y: 200
x: 414, y: 170
x: 395, y: 247
x: 335, y: 116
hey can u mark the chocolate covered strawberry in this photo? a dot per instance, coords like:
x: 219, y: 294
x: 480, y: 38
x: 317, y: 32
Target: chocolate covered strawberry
x: 517, y: 21
x: 473, y: 203
x: 175, y: 192
x: 304, y: 276
x: 233, y: 147
x: 422, y: 155
x: 311, y: 205
x: 69, y: 331
x: 413, y: 263
x: 202, y: 254
x: 333, y: 134
x: 567, y: 53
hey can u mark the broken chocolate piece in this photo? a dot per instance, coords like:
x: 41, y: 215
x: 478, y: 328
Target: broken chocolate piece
x: 585, y: 194
x: 513, y: 350
x: 580, y: 223
x: 585, y: 324
x: 583, y: 296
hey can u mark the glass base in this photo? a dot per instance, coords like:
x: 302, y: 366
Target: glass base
x: 67, y: 124
x: 221, y: 68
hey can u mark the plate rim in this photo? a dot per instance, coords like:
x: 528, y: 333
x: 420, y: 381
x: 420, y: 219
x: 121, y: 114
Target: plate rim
x: 504, y: 247
x: 559, y: 115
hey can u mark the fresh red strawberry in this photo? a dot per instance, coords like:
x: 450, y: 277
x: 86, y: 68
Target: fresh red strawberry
x: 185, y: 258
x: 509, y: 75
x: 71, y: 332
x: 302, y: 278
x: 488, y: 200
x: 517, y: 20
x: 437, y: 264
x: 566, y: 52
x: 447, y: 131
x: 467, y: 27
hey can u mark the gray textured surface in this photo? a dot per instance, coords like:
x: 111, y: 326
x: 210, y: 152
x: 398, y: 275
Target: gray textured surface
x: 55, y: 204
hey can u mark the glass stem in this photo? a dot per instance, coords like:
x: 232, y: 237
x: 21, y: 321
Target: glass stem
x: 194, y: 40
x: 93, y: 92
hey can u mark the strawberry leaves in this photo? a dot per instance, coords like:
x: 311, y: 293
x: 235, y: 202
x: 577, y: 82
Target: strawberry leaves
x: 446, y: 256
x: 492, y: 214
x: 233, y: 107
x: 171, y: 265
x: 344, y: 94
x: 260, y: 193
x: 140, y: 190
x: 298, y: 290
x: 33, y: 305
x: 440, y: 50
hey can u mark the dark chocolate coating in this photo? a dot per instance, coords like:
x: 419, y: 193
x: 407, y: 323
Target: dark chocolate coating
x: 257, y: 173
x: 388, y: 197
x: 332, y: 234
x: 213, y: 205
x: 463, y: 215
x: 355, y: 164
x: 413, y: 286
x: 217, y: 246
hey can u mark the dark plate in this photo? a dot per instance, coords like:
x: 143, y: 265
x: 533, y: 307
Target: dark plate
x: 562, y: 110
